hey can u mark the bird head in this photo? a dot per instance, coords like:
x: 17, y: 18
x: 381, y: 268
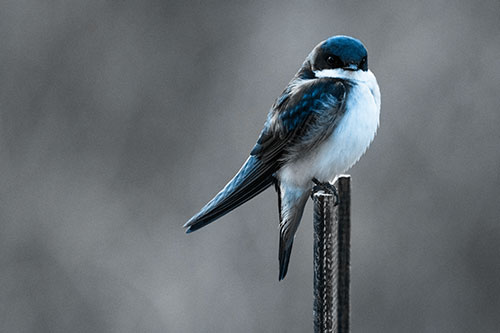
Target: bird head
x: 340, y: 52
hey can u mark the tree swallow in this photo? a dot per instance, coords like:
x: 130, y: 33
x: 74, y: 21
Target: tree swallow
x: 320, y: 125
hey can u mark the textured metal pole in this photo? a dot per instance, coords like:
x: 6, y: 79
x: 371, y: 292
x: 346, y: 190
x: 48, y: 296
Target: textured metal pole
x: 325, y: 264
x: 332, y: 231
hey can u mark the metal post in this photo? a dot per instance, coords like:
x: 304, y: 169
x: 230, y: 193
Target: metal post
x: 332, y: 231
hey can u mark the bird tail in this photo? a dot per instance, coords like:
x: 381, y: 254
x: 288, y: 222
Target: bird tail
x: 253, y: 178
x: 292, y: 201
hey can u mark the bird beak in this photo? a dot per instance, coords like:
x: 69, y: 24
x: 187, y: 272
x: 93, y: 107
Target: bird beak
x: 351, y: 67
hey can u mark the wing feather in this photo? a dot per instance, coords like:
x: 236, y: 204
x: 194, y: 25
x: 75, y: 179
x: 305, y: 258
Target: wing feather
x: 301, y: 117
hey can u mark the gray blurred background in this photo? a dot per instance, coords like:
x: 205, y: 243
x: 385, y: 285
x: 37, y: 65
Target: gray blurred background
x: 120, y: 119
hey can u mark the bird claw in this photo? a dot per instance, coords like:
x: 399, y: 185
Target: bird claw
x: 325, y: 187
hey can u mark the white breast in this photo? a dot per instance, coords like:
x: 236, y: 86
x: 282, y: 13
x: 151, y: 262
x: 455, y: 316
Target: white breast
x: 351, y: 137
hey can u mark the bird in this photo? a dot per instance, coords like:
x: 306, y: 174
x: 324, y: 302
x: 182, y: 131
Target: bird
x: 319, y: 127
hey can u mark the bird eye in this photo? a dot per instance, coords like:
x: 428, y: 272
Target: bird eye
x: 363, y: 62
x: 333, y: 61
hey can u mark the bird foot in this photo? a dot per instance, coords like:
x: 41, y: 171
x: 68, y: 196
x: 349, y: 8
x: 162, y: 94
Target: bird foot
x: 326, y: 187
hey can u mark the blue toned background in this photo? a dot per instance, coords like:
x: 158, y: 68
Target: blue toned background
x: 120, y: 119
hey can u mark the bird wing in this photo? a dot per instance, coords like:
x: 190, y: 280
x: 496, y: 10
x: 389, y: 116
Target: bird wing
x: 253, y: 178
x: 293, y: 117
x: 302, y: 117
x: 317, y: 106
